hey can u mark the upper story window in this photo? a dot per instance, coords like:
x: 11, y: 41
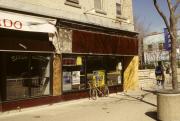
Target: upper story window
x: 150, y: 47
x: 118, y: 8
x: 99, y: 6
x: 161, y: 46
x: 74, y: 3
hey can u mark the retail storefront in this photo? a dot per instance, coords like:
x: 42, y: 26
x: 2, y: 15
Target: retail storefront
x: 85, y: 51
x: 25, y: 59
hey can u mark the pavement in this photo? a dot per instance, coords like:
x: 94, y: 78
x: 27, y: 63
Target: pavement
x: 130, y: 106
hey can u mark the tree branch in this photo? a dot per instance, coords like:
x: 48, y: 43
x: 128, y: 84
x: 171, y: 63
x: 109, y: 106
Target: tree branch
x: 170, y: 6
x: 176, y: 5
x: 161, y: 14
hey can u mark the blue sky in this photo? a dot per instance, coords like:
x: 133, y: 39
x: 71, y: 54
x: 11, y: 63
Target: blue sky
x: 146, y: 12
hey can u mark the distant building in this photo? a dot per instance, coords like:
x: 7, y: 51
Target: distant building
x: 154, y: 49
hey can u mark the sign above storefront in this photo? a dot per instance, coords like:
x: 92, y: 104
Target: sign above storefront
x: 23, y: 22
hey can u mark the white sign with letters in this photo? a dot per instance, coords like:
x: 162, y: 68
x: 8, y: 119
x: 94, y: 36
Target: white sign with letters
x: 24, y: 22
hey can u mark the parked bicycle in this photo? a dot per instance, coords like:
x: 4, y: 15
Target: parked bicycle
x: 96, y: 90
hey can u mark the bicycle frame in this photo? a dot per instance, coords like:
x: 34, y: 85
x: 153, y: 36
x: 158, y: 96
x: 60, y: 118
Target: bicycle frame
x: 95, y: 91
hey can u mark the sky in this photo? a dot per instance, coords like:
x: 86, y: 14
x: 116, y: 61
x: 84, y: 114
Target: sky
x: 146, y: 12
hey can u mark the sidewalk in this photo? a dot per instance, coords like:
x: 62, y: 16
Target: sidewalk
x: 131, y: 106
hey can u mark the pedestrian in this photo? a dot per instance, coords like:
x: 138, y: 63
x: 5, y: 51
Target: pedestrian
x: 160, y: 77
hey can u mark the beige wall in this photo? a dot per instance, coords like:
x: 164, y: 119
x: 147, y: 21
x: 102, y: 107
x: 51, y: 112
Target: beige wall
x: 57, y: 8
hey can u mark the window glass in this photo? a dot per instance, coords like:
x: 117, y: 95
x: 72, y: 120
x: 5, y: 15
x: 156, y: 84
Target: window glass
x: 28, y: 75
x: 78, y: 70
x: 73, y: 73
x: 98, y: 4
x: 118, y: 7
x: 150, y: 47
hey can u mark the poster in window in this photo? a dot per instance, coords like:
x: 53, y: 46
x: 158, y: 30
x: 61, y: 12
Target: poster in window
x: 119, y: 79
x: 75, y: 77
x: 99, y: 76
x: 67, y: 79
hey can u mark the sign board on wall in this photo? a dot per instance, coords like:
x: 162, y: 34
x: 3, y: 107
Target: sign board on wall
x: 24, y: 22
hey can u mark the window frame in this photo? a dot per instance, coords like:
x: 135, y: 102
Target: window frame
x: 120, y: 3
x: 4, y: 80
x: 101, y: 9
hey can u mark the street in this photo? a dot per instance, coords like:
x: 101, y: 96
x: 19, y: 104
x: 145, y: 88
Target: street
x: 131, y: 106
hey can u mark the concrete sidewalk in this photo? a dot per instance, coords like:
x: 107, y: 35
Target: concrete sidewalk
x: 130, y: 106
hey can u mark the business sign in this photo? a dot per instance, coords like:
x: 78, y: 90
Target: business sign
x: 167, y: 43
x: 23, y: 22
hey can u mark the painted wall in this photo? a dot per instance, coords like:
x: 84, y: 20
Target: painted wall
x: 57, y: 75
x: 131, y: 81
x: 58, y: 9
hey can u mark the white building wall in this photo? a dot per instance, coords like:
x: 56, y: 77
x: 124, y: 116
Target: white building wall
x: 57, y: 9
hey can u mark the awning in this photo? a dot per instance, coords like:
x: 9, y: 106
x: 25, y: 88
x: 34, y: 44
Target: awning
x: 22, y: 22
x: 98, y: 43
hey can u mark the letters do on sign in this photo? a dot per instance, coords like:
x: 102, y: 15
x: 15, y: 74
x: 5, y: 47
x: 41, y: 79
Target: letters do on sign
x: 7, y: 23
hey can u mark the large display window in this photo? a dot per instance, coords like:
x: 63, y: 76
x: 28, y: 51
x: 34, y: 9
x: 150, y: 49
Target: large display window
x: 78, y: 70
x: 111, y: 65
x: 73, y: 73
x: 25, y: 74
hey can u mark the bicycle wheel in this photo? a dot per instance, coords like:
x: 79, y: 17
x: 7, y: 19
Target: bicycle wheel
x: 93, y: 94
x: 106, y: 91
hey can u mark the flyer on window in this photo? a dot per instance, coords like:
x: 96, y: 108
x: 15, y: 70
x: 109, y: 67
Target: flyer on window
x: 67, y: 79
x: 75, y: 77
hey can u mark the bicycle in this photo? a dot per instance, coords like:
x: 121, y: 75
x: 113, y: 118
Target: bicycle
x: 95, y: 90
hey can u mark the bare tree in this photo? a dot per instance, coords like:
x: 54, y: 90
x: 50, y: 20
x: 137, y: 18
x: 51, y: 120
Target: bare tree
x: 171, y: 24
x: 143, y: 30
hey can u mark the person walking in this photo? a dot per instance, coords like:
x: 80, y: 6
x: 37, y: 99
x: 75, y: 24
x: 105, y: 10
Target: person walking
x: 159, y: 73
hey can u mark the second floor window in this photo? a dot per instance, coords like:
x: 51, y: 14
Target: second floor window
x: 118, y: 7
x: 98, y: 4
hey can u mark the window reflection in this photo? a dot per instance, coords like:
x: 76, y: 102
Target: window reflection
x: 28, y: 75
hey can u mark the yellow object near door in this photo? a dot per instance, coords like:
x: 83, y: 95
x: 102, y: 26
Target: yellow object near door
x: 99, y: 78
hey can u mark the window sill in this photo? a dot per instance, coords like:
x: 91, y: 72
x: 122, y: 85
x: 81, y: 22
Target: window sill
x: 121, y: 17
x: 72, y: 4
x: 100, y: 11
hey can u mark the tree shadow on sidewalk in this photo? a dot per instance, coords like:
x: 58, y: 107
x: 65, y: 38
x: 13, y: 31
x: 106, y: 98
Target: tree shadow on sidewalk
x: 152, y: 114
x: 141, y: 99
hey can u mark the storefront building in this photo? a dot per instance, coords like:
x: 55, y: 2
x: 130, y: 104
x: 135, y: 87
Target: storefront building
x: 25, y: 58
x: 86, y: 49
x: 45, y: 60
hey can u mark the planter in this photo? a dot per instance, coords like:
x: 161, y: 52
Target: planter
x: 168, y: 105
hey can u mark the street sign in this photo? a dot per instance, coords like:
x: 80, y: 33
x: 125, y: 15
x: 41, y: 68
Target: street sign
x: 167, y: 40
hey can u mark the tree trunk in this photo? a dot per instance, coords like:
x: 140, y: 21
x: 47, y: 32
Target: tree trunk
x: 173, y: 65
